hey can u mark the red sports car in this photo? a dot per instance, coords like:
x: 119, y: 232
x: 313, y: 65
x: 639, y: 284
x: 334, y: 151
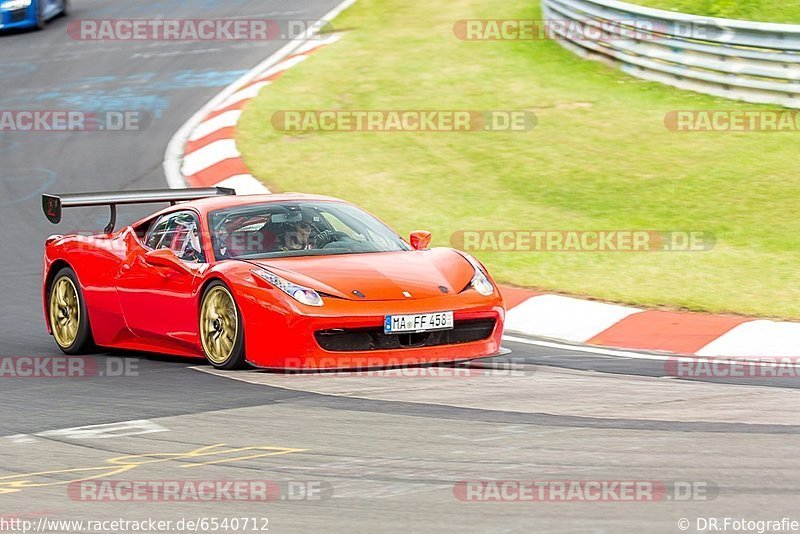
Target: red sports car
x: 285, y: 281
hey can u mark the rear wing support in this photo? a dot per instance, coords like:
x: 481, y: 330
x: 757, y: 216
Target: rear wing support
x: 52, y: 205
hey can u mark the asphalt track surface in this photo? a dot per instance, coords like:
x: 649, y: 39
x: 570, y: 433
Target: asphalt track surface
x: 391, y: 449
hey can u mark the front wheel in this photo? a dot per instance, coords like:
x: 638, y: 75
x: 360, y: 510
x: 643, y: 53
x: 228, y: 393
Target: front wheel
x: 221, y: 328
x: 40, y: 22
x: 68, y: 318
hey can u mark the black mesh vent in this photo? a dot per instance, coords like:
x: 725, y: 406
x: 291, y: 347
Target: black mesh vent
x: 17, y: 16
x: 365, y: 339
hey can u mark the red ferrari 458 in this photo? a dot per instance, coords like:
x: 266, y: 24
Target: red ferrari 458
x: 286, y: 281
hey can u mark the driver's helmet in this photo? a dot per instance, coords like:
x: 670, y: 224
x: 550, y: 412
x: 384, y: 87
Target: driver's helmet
x: 297, y: 235
x: 194, y: 238
x: 191, y: 243
x: 186, y: 243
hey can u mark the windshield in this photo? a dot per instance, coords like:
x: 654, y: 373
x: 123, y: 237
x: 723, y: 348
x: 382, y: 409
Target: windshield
x: 287, y: 229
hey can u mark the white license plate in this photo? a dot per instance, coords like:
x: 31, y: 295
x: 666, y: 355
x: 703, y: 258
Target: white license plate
x: 419, y: 322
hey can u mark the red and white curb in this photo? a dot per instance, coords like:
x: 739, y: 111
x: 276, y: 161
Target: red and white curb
x: 610, y: 325
x: 203, y: 153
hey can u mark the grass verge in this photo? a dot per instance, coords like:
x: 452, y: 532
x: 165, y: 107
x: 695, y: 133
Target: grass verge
x: 759, y: 10
x: 600, y: 158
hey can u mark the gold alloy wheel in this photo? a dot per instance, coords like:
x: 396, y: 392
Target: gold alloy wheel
x: 65, y: 312
x: 219, y: 325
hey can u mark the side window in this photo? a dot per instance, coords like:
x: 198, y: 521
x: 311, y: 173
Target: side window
x: 178, y: 232
x: 157, y: 233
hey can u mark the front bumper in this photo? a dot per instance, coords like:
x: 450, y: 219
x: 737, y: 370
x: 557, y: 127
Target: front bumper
x: 291, y: 340
x: 18, y: 19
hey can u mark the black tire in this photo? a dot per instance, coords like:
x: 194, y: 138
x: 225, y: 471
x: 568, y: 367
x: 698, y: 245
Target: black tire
x: 40, y: 22
x: 236, y: 358
x: 65, y: 11
x: 83, y: 342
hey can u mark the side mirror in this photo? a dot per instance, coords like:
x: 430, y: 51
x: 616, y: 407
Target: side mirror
x: 420, y: 240
x: 164, y: 257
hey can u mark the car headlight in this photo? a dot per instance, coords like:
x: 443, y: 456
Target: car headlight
x: 303, y: 295
x: 15, y: 4
x: 480, y: 281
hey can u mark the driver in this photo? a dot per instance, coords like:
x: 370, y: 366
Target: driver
x: 306, y: 236
x: 193, y: 248
x: 296, y: 236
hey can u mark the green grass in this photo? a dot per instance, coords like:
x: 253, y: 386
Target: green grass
x: 787, y: 11
x: 599, y: 159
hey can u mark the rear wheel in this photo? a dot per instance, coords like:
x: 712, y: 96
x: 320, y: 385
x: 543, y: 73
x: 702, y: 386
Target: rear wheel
x: 221, y: 328
x: 68, y: 318
x: 64, y: 8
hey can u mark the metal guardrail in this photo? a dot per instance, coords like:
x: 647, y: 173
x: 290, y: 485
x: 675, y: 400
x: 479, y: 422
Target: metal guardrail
x: 742, y: 60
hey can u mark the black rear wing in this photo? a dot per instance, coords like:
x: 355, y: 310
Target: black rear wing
x: 53, y: 204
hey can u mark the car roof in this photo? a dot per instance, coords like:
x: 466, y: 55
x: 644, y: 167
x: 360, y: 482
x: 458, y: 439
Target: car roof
x: 207, y: 205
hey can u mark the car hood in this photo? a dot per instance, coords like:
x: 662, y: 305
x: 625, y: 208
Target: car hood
x: 378, y: 276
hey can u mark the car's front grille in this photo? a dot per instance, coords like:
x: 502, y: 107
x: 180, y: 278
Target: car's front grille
x: 17, y: 16
x: 365, y: 339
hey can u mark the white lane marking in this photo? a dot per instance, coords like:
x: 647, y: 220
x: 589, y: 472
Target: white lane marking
x: 563, y: 346
x: 591, y: 350
x: 756, y: 361
x: 280, y: 67
x: 223, y: 120
x: 173, y: 156
x: 104, y: 431
x: 316, y: 43
x: 203, y: 158
x: 244, y: 184
x: 766, y: 339
x: 212, y: 371
x: 20, y: 438
x: 554, y: 316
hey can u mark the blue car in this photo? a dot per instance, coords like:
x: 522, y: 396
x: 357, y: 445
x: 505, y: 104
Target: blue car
x: 18, y: 14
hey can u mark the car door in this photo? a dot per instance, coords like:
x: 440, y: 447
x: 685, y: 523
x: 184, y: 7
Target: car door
x: 158, y: 301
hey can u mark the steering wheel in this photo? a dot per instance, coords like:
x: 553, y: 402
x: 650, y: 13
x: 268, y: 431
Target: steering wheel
x: 327, y: 237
